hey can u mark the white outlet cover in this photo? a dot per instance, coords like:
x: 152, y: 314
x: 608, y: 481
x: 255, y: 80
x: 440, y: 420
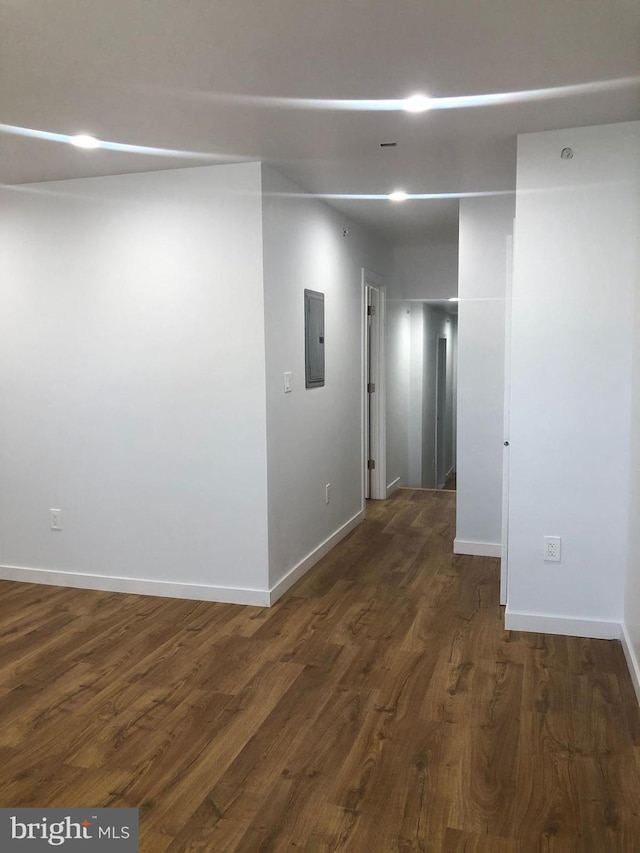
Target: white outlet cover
x: 552, y: 549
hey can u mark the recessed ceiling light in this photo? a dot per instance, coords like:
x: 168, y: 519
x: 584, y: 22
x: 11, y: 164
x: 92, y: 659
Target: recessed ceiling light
x: 417, y: 104
x: 83, y: 140
x: 398, y: 195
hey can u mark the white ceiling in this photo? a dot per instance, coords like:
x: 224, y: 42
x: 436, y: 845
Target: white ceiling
x: 170, y: 73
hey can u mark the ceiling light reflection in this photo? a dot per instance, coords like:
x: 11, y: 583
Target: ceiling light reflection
x: 91, y: 142
x: 420, y: 103
x: 417, y: 104
x: 83, y: 140
x: 387, y: 196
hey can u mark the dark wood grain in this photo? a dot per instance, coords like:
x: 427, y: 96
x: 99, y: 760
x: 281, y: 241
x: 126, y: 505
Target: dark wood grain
x: 380, y: 706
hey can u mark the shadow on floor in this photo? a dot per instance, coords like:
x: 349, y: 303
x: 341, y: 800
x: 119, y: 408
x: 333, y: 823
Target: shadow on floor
x: 450, y: 482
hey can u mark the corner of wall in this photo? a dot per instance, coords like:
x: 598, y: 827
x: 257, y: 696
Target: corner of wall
x: 632, y: 661
x: 314, y: 435
x: 293, y: 575
x: 477, y: 549
x: 566, y: 626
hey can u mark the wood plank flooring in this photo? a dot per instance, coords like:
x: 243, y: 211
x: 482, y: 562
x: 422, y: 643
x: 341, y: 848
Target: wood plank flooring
x: 379, y: 706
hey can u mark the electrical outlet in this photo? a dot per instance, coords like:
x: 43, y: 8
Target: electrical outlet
x: 552, y: 548
x: 327, y: 493
x: 55, y: 519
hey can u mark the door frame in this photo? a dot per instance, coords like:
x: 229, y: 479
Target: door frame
x: 373, y: 338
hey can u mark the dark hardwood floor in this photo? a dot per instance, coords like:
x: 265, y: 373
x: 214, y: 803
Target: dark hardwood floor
x: 379, y: 706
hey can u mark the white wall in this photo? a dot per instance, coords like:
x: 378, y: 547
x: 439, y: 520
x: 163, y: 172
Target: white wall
x: 449, y: 331
x: 398, y: 351
x: 452, y: 352
x: 415, y: 419
x: 576, y: 255
x: 132, y: 388
x: 631, y: 637
x: 484, y: 226
x: 314, y: 436
x: 429, y: 271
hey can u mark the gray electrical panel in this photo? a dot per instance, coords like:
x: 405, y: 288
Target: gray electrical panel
x: 314, y: 338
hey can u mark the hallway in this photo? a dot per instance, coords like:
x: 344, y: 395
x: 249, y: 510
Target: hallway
x: 379, y: 706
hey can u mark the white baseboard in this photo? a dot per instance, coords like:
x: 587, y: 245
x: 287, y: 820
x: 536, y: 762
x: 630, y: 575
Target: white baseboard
x: 172, y: 589
x: 294, y: 574
x: 567, y: 626
x: 137, y: 586
x: 632, y: 660
x: 477, y: 549
x: 391, y: 487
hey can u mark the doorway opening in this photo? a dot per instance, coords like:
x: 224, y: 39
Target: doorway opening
x: 442, y: 419
x: 431, y: 388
